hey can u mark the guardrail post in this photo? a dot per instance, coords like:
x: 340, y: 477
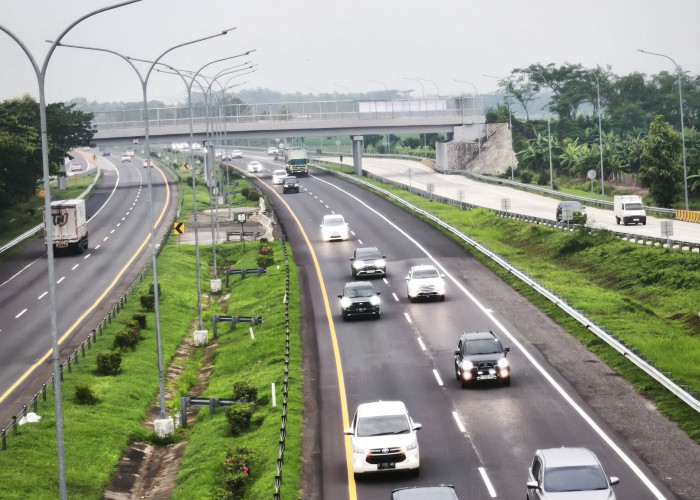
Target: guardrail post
x: 4, y: 439
x: 43, y: 392
x: 183, y: 411
x: 14, y: 425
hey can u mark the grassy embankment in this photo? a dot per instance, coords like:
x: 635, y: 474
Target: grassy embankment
x: 97, y: 435
x: 648, y: 297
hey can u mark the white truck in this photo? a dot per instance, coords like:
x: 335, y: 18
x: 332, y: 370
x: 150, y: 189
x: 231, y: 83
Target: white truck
x: 68, y: 225
x: 629, y: 208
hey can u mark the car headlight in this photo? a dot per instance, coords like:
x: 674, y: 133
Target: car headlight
x: 413, y: 445
x: 357, y: 264
x: 345, y: 302
x: 374, y: 301
x: 503, y: 363
x: 380, y: 263
x: 467, y: 365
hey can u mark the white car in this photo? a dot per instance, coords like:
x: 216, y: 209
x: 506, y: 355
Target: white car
x: 272, y: 151
x: 383, y: 438
x: 278, y: 176
x: 145, y: 163
x: 126, y: 157
x: 425, y: 281
x: 254, y: 166
x: 334, y: 227
x: 236, y: 153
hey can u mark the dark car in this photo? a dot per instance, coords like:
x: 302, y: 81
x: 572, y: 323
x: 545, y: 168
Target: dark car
x: 442, y: 492
x: 480, y: 356
x: 290, y: 184
x: 571, y: 211
x: 368, y: 261
x: 359, y: 299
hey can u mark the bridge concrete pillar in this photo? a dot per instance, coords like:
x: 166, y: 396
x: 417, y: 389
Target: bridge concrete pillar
x: 357, y: 141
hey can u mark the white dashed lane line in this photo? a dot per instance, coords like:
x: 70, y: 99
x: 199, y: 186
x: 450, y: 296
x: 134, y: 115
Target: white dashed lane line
x: 74, y: 267
x: 42, y: 295
x: 487, y: 482
x: 459, y: 423
x: 396, y: 298
x: 21, y: 313
x: 437, y: 377
x: 408, y: 318
x: 61, y: 279
x: 421, y: 344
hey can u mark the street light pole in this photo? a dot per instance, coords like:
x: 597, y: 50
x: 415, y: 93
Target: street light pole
x: 600, y: 137
x: 549, y: 135
x: 680, y: 97
x: 41, y: 79
x: 436, y: 87
x: 168, y: 430
x: 475, y: 90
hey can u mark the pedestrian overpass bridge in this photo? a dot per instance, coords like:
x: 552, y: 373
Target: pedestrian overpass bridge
x: 461, y: 118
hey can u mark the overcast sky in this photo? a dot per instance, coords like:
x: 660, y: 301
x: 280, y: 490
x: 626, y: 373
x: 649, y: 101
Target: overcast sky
x: 314, y: 46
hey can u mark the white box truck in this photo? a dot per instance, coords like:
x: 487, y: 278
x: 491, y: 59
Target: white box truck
x: 296, y: 160
x: 629, y: 208
x: 68, y: 225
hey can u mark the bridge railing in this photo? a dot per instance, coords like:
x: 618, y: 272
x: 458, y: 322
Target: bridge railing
x: 454, y: 107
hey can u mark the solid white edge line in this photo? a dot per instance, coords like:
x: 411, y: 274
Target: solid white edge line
x: 437, y: 377
x: 487, y: 482
x: 558, y: 388
x: 459, y: 423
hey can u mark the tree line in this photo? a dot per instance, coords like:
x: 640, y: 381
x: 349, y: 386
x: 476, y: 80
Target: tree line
x: 641, y: 122
x: 20, y: 144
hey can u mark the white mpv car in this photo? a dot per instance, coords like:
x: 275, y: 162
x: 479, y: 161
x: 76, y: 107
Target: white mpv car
x: 334, y: 227
x: 426, y: 282
x: 383, y: 438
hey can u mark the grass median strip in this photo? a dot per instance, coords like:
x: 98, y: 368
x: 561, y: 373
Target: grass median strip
x: 97, y: 435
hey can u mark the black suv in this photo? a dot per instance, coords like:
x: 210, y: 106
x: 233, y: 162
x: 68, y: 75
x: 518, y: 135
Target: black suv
x: 359, y: 299
x: 479, y: 357
x: 368, y: 261
x: 290, y: 184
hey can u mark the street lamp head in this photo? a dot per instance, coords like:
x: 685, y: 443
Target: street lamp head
x: 227, y: 30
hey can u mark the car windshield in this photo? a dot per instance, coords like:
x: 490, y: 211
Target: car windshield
x: 634, y: 206
x: 334, y: 222
x: 367, y: 254
x: 357, y: 291
x: 482, y: 346
x: 382, y: 425
x: 425, y: 273
x: 577, y: 478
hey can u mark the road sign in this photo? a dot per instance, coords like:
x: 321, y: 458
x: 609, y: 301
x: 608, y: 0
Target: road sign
x: 179, y: 228
x: 241, y: 218
x: 186, y: 166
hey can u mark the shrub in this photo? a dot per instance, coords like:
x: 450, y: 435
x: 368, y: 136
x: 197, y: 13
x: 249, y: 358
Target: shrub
x: 150, y: 289
x: 140, y: 319
x: 244, y: 390
x: 84, y: 395
x: 126, y: 339
x: 266, y: 250
x: 109, y: 362
x: 245, y: 191
x: 253, y: 196
x: 526, y: 176
x: 238, y: 417
x: 265, y: 261
x: 132, y: 323
x: 236, y: 473
x: 148, y: 302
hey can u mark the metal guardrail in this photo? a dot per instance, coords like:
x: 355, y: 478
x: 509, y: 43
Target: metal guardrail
x: 647, y: 366
x: 547, y: 191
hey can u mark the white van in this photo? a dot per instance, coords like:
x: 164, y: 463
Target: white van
x: 629, y: 208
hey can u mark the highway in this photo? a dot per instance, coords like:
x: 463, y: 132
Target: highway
x: 87, y: 285
x: 480, y: 439
x: 413, y: 173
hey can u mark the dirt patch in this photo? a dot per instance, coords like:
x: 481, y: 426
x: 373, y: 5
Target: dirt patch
x: 149, y: 471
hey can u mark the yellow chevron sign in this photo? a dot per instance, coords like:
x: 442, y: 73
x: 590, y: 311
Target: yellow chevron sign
x: 179, y: 228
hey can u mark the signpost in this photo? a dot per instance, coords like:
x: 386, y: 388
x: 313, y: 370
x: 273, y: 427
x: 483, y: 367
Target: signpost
x: 241, y: 220
x: 179, y: 229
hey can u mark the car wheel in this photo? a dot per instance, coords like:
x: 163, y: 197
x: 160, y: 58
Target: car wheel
x: 415, y: 472
x: 442, y: 298
x: 505, y: 382
x: 618, y: 220
x: 345, y: 318
x: 465, y: 384
x: 457, y: 373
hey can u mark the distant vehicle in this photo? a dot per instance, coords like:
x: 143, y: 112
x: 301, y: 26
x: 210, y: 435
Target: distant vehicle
x: 334, y: 227
x: 278, y: 176
x: 126, y: 157
x: 383, y: 438
x: 254, y: 166
x: 145, y: 163
x: 296, y: 160
x: 573, y: 473
x: 359, y: 299
x: 272, y: 151
x: 425, y: 281
x: 105, y: 153
x: 226, y: 155
x: 196, y: 146
x: 290, y: 184
x: 629, y: 208
x: 480, y: 357
x: 219, y: 153
x: 68, y: 225
x: 571, y: 211
x: 130, y: 153
x: 442, y: 492
x: 367, y: 261
x: 236, y: 153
